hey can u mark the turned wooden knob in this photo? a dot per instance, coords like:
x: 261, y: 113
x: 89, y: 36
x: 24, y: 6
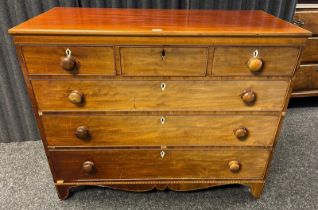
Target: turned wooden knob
x: 82, y: 132
x: 234, y: 166
x: 76, y: 97
x: 248, y: 96
x: 69, y: 63
x: 255, y: 64
x: 241, y: 133
x: 88, y: 167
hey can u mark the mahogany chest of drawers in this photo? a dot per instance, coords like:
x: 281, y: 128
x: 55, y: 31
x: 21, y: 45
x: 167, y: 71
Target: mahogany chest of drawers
x: 153, y: 99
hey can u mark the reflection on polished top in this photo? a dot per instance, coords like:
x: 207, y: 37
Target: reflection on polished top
x: 156, y: 22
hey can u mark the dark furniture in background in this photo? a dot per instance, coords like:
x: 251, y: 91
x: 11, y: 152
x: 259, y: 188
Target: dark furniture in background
x: 307, y: 77
x: 16, y: 118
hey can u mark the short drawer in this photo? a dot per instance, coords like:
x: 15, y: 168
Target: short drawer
x: 110, y: 95
x: 306, y: 78
x: 252, y: 61
x: 155, y: 130
x: 308, y: 19
x: 310, y: 53
x: 163, y: 61
x: 68, y: 60
x: 133, y: 164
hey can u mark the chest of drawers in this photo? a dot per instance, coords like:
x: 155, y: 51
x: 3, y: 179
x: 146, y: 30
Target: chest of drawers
x: 153, y: 99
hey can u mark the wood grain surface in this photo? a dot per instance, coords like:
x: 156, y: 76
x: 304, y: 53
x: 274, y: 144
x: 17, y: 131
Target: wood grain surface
x: 310, y: 54
x: 157, y: 130
x: 157, y: 22
x: 149, y: 164
x: 310, y: 19
x: 45, y: 60
x: 255, y: 186
x: 163, y: 61
x: 307, y: 78
x: 52, y: 95
x: 232, y: 61
x: 161, y: 40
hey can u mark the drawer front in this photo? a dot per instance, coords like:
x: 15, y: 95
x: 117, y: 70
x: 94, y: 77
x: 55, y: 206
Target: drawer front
x: 56, y: 60
x: 172, y: 130
x: 81, y: 165
x: 311, y: 51
x: 307, y: 78
x: 54, y: 95
x: 234, y: 61
x: 309, y: 20
x: 164, y: 61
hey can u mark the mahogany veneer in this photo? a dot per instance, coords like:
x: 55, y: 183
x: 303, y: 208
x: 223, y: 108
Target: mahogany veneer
x: 156, y: 130
x: 154, y: 95
x: 89, y: 60
x: 138, y: 164
x: 138, y: 99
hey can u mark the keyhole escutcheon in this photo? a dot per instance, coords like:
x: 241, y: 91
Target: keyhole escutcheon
x: 162, y: 154
x: 163, y: 54
x: 162, y: 120
x: 163, y: 86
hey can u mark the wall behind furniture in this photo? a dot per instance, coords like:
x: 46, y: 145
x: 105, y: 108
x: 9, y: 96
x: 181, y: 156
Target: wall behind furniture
x: 17, y: 122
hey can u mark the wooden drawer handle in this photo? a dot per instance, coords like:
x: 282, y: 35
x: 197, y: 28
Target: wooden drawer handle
x: 88, y: 167
x: 241, y: 133
x: 255, y: 64
x: 82, y: 132
x: 248, y: 96
x: 76, y: 97
x: 69, y: 62
x: 234, y: 166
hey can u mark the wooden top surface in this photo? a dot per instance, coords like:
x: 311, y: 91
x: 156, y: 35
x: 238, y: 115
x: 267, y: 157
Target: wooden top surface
x: 156, y: 22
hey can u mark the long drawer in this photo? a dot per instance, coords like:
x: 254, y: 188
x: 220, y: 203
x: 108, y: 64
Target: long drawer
x: 83, y: 165
x: 110, y: 95
x: 155, y: 130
